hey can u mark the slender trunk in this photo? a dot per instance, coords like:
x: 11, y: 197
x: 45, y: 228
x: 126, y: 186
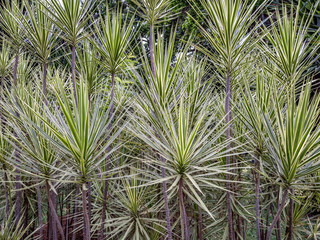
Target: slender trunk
x: 152, y: 51
x: 49, y: 226
x: 53, y: 221
x: 278, y: 230
x: 291, y: 207
x: 228, y: 137
x: 183, y: 212
x: 257, y: 193
x: 106, y: 183
x: 60, y: 200
x: 26, y: 211
x: 75, y: 217
x: 86, y: 221
x: 67, y: 219
x: 39, y: 210
x: 44, y: 83
x: 54, y: 212
x: 89, y: 201
x: 200, y: 223
x: 73, y: 66
x: 166, y: 202
x: 283, y: 201
x: 269, y: 210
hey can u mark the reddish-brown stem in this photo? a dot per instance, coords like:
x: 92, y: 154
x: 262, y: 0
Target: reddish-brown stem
x: 276, y: 218
x: 166, y: 202
x: 291, y: 207
x: 257, y: 194
x: 75, y: 217
x: 183, y: 211
x: 86, y: 229
x: 39, y: 209
x: 200, y: 223
x: 89, y: 201
x: 54, y: 212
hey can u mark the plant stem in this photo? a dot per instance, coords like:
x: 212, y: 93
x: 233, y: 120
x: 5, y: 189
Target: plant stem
x: 53, y: 221
x: 166, y: 202
x: 200, y: 223
x: 228, y: 137
x: 278, y: 230
x: 257, y: 193
x: 183, y: 211
x: 86, y: 229
x: 283, y: 201
x: 89, y: 201
x: 291, y: 207
x: 54, y: 212
x: 39, y: 209
x: 75, y: 212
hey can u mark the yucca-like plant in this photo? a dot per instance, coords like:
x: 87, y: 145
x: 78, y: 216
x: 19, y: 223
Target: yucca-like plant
x: 88, y: 66
x: 79, y: 133
x: 253, y: 104
x: 292, y: 142
x: 10, y: 230
x: 37, y: 155
x: 160, y: 87
x: 290, y: 48
x: 41, y: 36
x: 10, y: 16
x: 230, y: 37
x: 171, y: 123
x: 113, y: 38
x: 134, y: 209
x: 72, y: 18
x: 154, y: 12
x: 191, y: 151
x: 181, y: 154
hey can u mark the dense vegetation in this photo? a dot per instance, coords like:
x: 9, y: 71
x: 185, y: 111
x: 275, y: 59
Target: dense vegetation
x: 159, y: 119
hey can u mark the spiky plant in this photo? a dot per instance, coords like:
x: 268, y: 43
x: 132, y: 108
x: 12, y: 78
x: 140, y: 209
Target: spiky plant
x: 72, y: 18
x: 230, y: 37
x: 41, y: 36
x: 292, y: 141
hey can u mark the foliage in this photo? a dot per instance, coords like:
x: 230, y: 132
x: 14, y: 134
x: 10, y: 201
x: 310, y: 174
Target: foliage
x: 208, y: 130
